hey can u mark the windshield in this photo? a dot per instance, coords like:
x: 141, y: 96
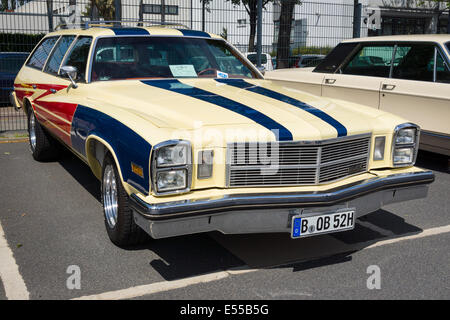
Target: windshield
x: 166, y: 57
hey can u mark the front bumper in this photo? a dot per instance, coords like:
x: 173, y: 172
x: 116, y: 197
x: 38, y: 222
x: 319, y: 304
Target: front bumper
x: 255, y: 213
x: 13, y: 100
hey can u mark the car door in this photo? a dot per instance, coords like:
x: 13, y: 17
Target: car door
x: 419, y: 91
x: 359, y: 79
x: 311, y: 80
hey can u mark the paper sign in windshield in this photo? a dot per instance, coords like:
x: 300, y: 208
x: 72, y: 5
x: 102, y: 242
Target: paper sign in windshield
x: 183, y: 70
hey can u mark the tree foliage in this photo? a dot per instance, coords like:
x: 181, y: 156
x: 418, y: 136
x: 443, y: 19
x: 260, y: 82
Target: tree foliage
x: 251, y: 6
x: 105, y: 9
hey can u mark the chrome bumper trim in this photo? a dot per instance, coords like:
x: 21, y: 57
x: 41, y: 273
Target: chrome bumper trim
x: 207, y: 206
x: 13, y: 100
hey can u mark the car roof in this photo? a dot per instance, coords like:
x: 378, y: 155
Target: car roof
x: 441, y: 38
x: 133, y: 31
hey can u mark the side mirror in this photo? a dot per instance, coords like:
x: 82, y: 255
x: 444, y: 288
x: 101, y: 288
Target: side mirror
x: 71, y: 72
x: 262, y: 70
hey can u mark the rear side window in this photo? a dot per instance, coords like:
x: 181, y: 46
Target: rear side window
x: 372, y: 61
x: 57, y: 54
x: 448, y: 46
x: 78, y: 56
x: 335, y: 58
x: 442, y: 70
x: 414, y: 62
x: 40, y: 55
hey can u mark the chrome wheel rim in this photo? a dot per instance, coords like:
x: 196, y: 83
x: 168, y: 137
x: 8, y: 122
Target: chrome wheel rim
x: 32, y: 131
x: 110, y: 202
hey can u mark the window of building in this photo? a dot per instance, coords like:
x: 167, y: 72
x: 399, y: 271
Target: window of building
x: 156, y: 9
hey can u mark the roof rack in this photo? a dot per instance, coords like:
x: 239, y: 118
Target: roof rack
x: 119, y: 24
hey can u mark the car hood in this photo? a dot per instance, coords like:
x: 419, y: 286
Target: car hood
x: 190, y: 104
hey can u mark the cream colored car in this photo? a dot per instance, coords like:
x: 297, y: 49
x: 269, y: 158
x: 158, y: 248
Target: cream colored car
x: 405, y: 75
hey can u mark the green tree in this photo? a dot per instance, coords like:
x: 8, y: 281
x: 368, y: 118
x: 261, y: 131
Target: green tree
x: 251, y: 6
x: 284, y: 32
x: 224, y: 33
x: 105, y: 9
x: 440, y: 7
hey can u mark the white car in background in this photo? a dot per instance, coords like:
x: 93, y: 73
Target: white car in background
x: 407, y: 75
x: 266, y: 60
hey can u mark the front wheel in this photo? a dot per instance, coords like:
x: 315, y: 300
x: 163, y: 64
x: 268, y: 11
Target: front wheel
x: 119, y: 223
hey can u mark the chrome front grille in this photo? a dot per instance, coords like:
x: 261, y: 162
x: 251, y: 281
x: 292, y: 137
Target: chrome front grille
x: 299, y: 163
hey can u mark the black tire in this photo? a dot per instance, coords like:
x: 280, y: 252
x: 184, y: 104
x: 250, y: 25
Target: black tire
x: 125, y: 232
x: 43, y: 146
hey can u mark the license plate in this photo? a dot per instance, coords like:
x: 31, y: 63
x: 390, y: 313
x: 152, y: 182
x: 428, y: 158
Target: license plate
x: 323, y: 223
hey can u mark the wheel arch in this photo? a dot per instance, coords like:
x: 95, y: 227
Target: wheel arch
x: 96, y: 151
x: 26, y: 105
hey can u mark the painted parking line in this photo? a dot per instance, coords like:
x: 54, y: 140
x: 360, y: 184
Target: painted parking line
x: 14, y: 141
x: 13, y: 283
x: 162, y: 286
x: 158, y: 287
x: 423, y: 234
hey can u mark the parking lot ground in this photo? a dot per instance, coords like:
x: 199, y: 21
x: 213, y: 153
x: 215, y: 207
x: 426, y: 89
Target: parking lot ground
x: 52, y: 219
x: 2, y: 291
x: 408, y: 270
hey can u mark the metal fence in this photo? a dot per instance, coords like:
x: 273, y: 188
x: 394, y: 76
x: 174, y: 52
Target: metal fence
x: 312, y: 27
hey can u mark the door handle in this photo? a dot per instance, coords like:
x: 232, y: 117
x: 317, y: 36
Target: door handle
x: 330, y: 81
x: 388, y: 87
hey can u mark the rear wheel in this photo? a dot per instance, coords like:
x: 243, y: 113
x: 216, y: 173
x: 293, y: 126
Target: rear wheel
x: 42, y: 145
x: 119, y: 222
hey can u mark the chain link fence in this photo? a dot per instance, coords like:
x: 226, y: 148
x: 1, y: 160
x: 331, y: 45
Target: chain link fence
x: 294, y: 33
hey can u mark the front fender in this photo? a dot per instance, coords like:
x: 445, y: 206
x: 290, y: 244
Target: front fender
x: 125, y: 145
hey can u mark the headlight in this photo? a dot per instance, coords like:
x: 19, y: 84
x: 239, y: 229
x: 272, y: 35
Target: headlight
x: 406, y: 136
x: 405, y: 145
x: 171, y: 167
x: 403, y: 155
x: 171, y: 180
x: 172, y: 156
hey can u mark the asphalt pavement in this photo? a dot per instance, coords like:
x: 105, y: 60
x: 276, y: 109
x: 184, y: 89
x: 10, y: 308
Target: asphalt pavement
x: 52, y: 219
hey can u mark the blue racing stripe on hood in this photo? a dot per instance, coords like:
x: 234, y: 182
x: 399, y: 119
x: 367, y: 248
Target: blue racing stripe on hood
x: 130, y: 31
x: 242, y: 84
x: 190, y: 91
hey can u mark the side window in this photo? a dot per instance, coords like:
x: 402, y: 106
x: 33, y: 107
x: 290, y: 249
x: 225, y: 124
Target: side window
x: 37, y: 60
x: 371, y: 60
x: 335, y: 58
x: 414, y: 62
x: 442, y: 70
x: 78, y: 56
x: 57, y: 54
